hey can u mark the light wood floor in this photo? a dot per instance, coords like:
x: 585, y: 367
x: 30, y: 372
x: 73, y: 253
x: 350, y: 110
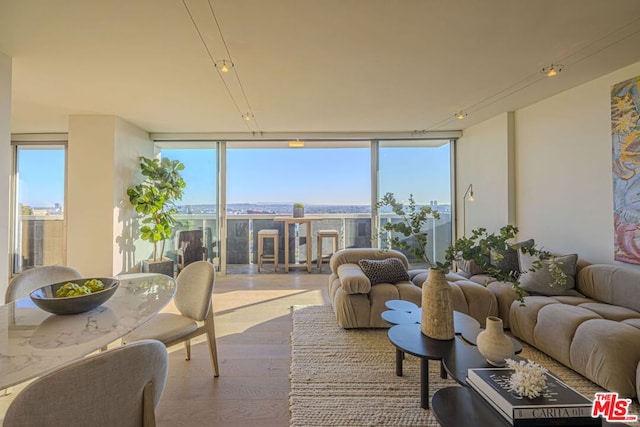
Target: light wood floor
x: 253, y: 327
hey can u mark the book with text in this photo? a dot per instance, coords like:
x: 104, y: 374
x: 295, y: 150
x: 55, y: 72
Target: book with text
x: 558, y: 404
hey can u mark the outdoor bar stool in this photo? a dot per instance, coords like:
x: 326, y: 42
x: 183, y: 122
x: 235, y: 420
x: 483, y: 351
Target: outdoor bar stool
x: 327, y: 234
x: 268, y: 234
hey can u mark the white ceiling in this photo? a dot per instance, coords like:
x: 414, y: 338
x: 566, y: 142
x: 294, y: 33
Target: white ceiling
x: 304, y: 65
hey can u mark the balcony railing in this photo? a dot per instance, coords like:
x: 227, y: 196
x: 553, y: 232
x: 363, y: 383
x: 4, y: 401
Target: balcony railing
x: 355, y: 232
x: 41, y: 238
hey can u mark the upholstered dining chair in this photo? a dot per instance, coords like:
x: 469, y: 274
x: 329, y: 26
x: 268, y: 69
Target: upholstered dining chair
x: 119, y: 387
x: 193, y: 301
x: 30, y: 280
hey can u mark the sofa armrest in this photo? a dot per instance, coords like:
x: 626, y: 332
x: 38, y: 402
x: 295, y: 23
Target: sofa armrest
x: 353, y: 279
x: 506, y: 295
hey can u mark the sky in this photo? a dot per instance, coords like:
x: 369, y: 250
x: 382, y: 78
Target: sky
x: 316, y: 175
x: 41, y: 177
x: 338, y: 176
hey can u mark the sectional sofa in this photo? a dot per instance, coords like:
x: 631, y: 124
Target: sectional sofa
x: 592, y: 327
x: 591, y: 324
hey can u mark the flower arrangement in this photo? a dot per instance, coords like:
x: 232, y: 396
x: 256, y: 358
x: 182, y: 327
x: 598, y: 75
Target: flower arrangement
x: 528, y: 378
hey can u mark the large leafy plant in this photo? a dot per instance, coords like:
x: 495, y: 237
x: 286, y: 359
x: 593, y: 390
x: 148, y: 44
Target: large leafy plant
x: 155, y: 199
x: 413, y: 218
x: 483, y: 248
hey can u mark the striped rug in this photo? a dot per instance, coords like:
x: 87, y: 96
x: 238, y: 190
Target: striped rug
x: 347, y: 377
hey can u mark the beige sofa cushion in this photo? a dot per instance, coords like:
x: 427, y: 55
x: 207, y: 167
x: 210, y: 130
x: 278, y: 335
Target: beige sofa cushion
x: 353, y: 279
x: 611, y: 312
x: 610, y: 284
x: 607, y: 353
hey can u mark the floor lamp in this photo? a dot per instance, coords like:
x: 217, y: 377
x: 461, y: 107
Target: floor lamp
x: 464, y: 207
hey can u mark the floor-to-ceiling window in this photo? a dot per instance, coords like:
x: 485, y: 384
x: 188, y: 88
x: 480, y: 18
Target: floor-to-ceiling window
x: 421, y: 169
x: 332, y: 179
x: 38, y: 231
x: 243, y: 185
x: 198, y: 209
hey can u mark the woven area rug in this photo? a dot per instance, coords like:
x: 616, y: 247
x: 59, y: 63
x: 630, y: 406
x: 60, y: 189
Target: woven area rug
x: 347, y: 377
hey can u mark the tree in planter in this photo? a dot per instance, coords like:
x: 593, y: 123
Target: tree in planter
x: 155, y: 199
x: 483, y: 248
x: 412, y: 220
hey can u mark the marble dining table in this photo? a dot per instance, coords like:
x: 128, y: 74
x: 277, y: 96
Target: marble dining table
x: 34, y: 342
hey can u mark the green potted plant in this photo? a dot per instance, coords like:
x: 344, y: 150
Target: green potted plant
x: 413, y: 218
x: 298, y: 210
x: 154, y: 200
x: 483, y: 248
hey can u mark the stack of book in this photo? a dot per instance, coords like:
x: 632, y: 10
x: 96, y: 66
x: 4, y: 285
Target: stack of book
x: 558, y: 405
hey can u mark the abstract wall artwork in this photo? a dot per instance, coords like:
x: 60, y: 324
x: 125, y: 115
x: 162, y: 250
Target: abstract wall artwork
x: 625, y: 134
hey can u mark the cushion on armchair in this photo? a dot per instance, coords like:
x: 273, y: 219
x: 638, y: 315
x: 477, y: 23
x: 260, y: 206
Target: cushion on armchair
x: 353, y: 279
x: 390, y: 270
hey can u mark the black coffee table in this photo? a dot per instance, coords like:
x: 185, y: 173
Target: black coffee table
x: 463, y: 406
x: 456, y: 355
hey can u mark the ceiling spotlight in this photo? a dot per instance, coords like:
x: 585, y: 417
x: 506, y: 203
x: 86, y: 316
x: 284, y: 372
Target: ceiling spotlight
x: 461, y: 115
x: 224, y: 65
x: 552, y: 70
x: 247, y: 116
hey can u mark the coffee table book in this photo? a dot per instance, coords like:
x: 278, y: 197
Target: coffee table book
x: 558, y: 405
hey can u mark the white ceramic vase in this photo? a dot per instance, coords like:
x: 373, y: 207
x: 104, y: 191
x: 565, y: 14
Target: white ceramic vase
x: 437, y: 307
x: 493, y: 344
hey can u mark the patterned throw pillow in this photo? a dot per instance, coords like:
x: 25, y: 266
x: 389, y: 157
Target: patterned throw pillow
x: 509, y: 261
x: 390, y: 270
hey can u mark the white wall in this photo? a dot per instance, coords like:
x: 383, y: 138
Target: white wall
x: 5, y: 168
x: 564, y: 167
x: 483, y: 160
x: 89, y: 204
x: 131, y: 142
x: 102, y: 161
x: 563, y: 176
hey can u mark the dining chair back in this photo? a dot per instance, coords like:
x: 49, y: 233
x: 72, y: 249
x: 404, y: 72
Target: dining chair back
x: 193, y: 299
x: 30, y: 280
x: 118, y: 387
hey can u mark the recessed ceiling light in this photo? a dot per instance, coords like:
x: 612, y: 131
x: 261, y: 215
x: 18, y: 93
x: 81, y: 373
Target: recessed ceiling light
x: 461, y: 115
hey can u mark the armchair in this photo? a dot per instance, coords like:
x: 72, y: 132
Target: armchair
x: 190, y: 248
x: 359, y: 304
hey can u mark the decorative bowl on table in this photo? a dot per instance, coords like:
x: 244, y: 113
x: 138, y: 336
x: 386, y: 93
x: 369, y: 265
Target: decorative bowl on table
x: 48, y: 297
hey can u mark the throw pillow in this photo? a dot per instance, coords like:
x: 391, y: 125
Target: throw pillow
x: 470, y: 267
x: 509, y: 261
x: 540, y: 281
x: 389, y: 270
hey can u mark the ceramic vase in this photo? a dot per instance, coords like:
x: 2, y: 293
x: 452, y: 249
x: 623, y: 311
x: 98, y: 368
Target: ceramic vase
x: 437, y: 307
x: 493, y: 344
